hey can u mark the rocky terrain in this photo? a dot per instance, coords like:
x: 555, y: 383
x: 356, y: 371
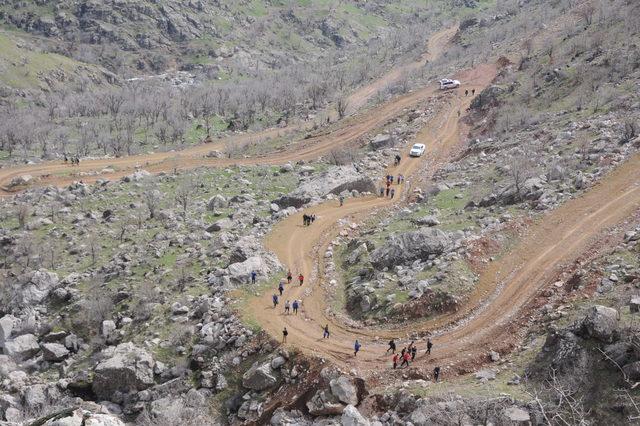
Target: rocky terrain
x: 130, y: 299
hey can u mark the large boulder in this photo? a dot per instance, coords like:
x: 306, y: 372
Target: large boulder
x: 352, y: 417
x: 600, y: 323
x: 259, y: 377
x: 20, y: 181
x: 22, y: 347
x: 225, y: 223
x: 409, y: 246
x: 324, y: 403
x: 32, y: 288
x: 7, y: 323
x: 344, y: 390
x: 80, y: 417
x: 124, y: 368
x: 54, y: 352
x: 217, y: 202
x: 334, y: 181
x: 382, y: 140
x: 296, y: 201
x: 241, y: 271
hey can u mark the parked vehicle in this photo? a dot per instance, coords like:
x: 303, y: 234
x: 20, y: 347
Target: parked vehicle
x: 446, y: 84
x: 417, y: 150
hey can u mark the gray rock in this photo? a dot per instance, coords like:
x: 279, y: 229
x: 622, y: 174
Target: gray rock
x: 259, y: 377
x: 22, y: 347
x: 34, y: 287
x: 125, y: 368
x: 225, y: 223
x: 324, y: 403
x: 634, y: 307
x: 217, y: 202
x: 600, y: 323
x: 334, y: 181
x: 409, y: 246
x: 516, y: 415
x: 7, y: 323
x: 277, y: 362
x: 108, y: 328
x: 381, y: 141
x: 485, y: 375
x: 241, y: 271
x: 352, y: 417
x: 344, y: 390
x: 20, y: 181
x: 54, y: 352
x: 428, y: 221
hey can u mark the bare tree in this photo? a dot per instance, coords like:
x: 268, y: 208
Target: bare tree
x: 341, y: 106
x: 23, y: 212
x: 629, y: 131
x: 520, y: 169
x: 94, y: 247
x: 184, y: 192
x: 152, y: 198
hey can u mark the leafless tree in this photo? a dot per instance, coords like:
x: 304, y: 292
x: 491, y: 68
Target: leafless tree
x: 184, y: 193
x: 629, y: 131
x: 23, y: 212
x: 520, y: 169
x: 152, y: 199
x: 342, y: 104
x: 93, y: 245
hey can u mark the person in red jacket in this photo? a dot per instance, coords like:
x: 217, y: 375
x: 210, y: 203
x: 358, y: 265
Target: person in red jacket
x: 395, y: 361
x: 405, y: 359
x: 301, y: 279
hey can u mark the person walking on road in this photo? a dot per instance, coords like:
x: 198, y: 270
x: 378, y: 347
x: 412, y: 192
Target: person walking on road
x: 301, y: 279
x: 254, y: 274
x: 387, y: 189
x: 429, y: 346
x: 466, y: 92
x: 398, y: 158
x: 281, y: 288
x: 287, y: 305
x: 436, y: 374
x: 405, y: 359
x: 382, y: 191
x: 473, y: 92
x: 395, y: 361
x: 392, y: 347
x: 414, y: 352
x: 305, y: 220
x: 289, y: 277
x: 341, y: 201
x: 325, y: 334
x: 275, y: 300
x: 356, y: 348
x: 285, y: 333
x: 393, y: 192
x: 295, y: 306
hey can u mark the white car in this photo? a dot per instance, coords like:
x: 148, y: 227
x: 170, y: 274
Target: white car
x: 446, y: 84
x: 417, y: 150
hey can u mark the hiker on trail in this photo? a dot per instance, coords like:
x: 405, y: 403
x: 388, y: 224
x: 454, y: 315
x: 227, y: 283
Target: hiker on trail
x: 395, y: 361
x: 391, y: 179
x: 466, y: 92
x: 382, y: 191
x: 301, y: 278
x: 402, y: 352
x: 356, y: 348
x: 436, y: 373
x: 66, y: 160
x: 429, y: 346
x: 254, y: 274
x: 281, y: 288
x: 398, y: 158
x: 275, y: 300
x: 287, y: 305
x: 313, y: 218
x: 305, y: 220
x: 458, y: 113
x: 393, y: 192
x: 392, y: 347
x: 473, y: 92
x: 289, y: 277
x: 325, y: 334
x: 388, y: 189
x: 341, y: 201
x: 295, y: 306
x: 410, y: 346
x: 285, y: 333
x: 414, y: 352
x: 405, y: 359
x: 388, y: 178
x: 77, y: 161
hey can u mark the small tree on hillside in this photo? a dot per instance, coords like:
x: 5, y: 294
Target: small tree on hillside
x: 152, y: 198
x: 184, y: 192
x: 341, y: 106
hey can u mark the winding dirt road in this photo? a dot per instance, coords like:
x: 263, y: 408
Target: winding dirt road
x: 348, y: 131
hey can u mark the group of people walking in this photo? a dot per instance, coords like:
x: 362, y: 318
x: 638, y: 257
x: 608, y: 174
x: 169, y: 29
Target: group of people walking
x: 308, y: 219
x: 388, y: 190
x: 75, y: 161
